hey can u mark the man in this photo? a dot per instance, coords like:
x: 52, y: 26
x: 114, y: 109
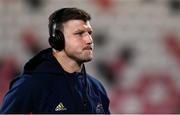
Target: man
x: 55, y: 80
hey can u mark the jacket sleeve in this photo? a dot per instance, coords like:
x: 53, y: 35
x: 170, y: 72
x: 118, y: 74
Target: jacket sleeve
x: 18, y: 98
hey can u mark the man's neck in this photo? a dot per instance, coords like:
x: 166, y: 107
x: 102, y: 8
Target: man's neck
x: 67, y: 63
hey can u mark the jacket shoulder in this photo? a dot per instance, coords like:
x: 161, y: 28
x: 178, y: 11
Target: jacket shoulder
x: 18, y: 98
x: 96, y: 84
x: 19, y: 80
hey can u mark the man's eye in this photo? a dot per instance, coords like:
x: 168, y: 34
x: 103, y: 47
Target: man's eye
x: 79, y: 33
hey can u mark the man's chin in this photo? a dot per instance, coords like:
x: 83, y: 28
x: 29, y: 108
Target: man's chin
x: 88, y: 59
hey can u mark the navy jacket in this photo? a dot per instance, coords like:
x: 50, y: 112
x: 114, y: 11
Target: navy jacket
x: 44, y: 87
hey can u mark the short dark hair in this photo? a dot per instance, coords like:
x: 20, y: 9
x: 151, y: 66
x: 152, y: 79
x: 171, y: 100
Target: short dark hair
x: 65, y: 14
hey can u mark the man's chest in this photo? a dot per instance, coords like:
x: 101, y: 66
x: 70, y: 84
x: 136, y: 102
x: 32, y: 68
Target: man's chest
x: 68, y: 100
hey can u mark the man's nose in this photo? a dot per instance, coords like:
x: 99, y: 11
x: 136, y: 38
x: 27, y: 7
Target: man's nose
x: 88, y: 38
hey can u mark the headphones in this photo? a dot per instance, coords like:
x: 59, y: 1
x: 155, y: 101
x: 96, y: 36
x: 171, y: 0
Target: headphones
x: 56, y: 37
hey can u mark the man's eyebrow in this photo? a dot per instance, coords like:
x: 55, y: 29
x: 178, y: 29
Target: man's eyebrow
x: 84, y: 29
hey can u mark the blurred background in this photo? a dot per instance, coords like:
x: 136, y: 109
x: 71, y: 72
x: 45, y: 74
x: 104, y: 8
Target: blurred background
x: 137, y: 48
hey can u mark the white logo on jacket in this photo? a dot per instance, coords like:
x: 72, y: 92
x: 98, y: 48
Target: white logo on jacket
x: 60, y: 107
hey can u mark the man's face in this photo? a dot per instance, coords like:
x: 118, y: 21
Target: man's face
x: 78, y: 40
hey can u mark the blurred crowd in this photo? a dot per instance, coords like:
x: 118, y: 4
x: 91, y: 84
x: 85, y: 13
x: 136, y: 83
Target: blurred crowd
x: 136, y: 55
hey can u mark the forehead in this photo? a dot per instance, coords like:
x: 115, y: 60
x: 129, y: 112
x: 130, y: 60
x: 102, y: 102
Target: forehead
x: 76, y: 24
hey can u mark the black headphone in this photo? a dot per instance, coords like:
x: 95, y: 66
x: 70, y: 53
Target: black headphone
x: 56, y: 37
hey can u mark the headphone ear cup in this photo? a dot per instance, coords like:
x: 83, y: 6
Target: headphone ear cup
x: 57, y: 41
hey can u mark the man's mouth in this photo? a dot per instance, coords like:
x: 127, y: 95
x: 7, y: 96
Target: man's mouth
x: 87, y: 48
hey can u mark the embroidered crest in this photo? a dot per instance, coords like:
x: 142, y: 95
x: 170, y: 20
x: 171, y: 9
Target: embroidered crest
x: 99, y: 108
